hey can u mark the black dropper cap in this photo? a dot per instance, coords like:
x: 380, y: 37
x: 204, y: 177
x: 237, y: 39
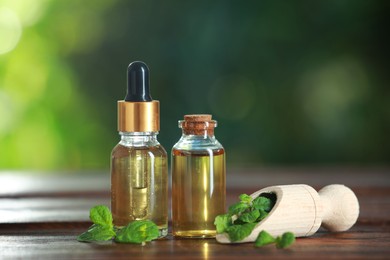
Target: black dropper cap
x: 138, y: 82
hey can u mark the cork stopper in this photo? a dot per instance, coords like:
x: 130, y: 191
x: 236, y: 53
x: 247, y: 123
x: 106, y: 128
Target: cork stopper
x: 201, y: 124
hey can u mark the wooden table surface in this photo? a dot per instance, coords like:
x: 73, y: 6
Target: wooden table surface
x: 42, y: 213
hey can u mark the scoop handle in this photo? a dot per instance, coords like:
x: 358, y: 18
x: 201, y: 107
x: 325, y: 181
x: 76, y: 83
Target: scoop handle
x: 340, y: 207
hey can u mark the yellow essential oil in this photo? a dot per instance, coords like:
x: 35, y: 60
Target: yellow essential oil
x: 198, y: 179
x: 139, y: 185
x: 199, y: 193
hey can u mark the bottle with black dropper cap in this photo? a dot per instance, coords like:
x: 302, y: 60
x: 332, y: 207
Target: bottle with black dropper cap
x: 139, y: 169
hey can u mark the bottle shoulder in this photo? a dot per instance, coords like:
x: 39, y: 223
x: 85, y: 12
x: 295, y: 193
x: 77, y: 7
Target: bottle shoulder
x: 198, y: 143
x: 121, y: 150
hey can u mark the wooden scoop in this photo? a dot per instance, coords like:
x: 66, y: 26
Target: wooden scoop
x: 301, y: 210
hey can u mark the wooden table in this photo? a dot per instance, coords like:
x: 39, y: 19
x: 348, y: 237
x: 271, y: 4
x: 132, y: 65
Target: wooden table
x: 42, y: 213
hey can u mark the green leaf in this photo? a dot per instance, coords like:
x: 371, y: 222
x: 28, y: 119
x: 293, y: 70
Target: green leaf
x: 97, y: 233
x: 245, y: 198
x: 238, y: 222
x: 264, y: 238
x: 250, y: 217
x: 222, y: 222
x: 101, y: 215
x: 262, y: 203
x: 238, y: 208
x: 262, y: 215
x: 138, y: 231
x: 285, y: 240
x: 239, y: 232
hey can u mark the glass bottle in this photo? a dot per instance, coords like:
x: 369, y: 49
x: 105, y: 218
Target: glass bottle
x: 139, y: 169
x: 198, y: 178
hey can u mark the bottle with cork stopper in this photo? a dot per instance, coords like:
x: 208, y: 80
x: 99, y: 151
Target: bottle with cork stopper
x: 139, y: 169
x: 198, y: 178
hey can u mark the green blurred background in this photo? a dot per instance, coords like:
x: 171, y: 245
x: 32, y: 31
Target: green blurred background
x: 290, y: 82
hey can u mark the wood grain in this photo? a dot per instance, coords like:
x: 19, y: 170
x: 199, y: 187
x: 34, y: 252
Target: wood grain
x: 41, y: 215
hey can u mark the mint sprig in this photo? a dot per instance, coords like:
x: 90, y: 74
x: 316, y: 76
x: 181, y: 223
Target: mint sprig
x: 243, y: 216
x: 138, y: 231
x: 247, y: 210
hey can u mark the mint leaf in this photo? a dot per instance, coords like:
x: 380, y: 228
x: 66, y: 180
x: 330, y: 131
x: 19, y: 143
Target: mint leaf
x: 138, y: 231
x: 264, y: 238
x: 239, y: 222
x: 245, y: 198
x: 262, y: 215
x: 238, y: 208
x: 262, y: 203
x: 101, y: 215
x: 250, y: 217
x: 97, y: 233
x: 239, y: 232
x: 222, y: 222
x: 102, y: 230
x: 285, y: 240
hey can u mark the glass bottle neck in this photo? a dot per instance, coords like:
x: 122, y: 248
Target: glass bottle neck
x: 138, y: 138
x: 204, y: 134
x: 197, y: 142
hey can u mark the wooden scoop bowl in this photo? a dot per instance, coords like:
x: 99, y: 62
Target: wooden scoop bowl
x: 301, y: 210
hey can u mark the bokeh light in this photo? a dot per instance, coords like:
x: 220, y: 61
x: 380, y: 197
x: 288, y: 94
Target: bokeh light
x: 10, y: 30
x: 290, y: 83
